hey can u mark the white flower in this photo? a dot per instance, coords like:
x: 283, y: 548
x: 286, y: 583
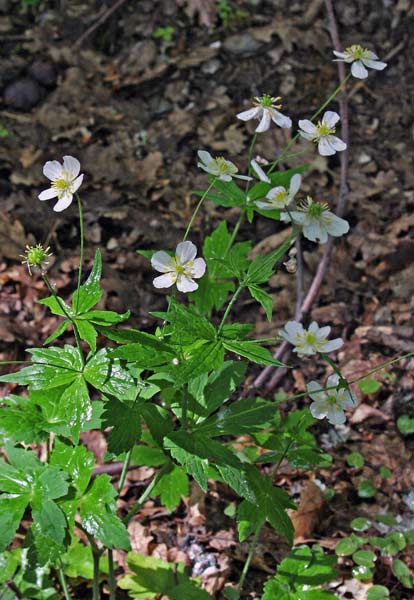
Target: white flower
x: 360, y: 58
x: 219, y: 167
x: 316, y: 220
x: 321, y: 133
x: 266, y: 109
x: 279, y: 197
x: 309, y: 341
x: 181, y: 269
x: 65, y: 181
x: 259, y: 171
x: 330, y: 403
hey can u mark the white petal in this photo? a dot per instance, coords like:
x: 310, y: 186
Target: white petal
x: 337, y: 226
x: 374, y: 64
x: 264, y: 123
x: 339, y: 54
x: 64, y: 202
x: 225, y: 177
x: 162, y: 262
x: 186, y: 284
x: 308, y: 127
x: 165, y: 281
x: 252, y: 113
x: 274, y: 191
x: 314, y: 390
x: 265, y: 205
x: 185, y: 251
x: 259, y: 171
x: 71, y: 165
x: 332, y: 345
x: 336, y: 143
x: 325, y: 147
x: 335, y: 416
x: 332, y: 380
x: 297, y: 216
x: 207, y: 169
x: 314, y: 327
x: 77, y: 183
x: 47, y: 194
x: 205, y: 157
x: 281, y: 120
x: 244, y: 177
x: 318, y: 409
x: 358, y: 70
x: 295, y: 184
x: 285, y: 217
x: 330, y: 118
x: 323, y: 332
x: 52, y: 169
x: 314, y: 232
x: 369, y: 55
x: 199, y: 268
x: 294, y: 328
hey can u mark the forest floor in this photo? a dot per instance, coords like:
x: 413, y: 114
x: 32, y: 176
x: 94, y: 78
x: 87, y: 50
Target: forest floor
x: 134, y: 108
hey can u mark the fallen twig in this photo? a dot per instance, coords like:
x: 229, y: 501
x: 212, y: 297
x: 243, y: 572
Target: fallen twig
x: 98, y: 22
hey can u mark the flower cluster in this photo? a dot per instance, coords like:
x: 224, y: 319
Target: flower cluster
x: 331, y: 401
x: 36, y: 257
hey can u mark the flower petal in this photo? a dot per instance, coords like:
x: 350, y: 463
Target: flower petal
x: 186, y: 284
x: 274, y: 191
x: 52, y: 169
x: 259, y: 171
x: 264, y: 123
x: 252, y: 113
x: 77, y: 183
x: 281, y: 120
x: 336, y: 143
x: 330, y: 118
x: 47, y: 194
x: 319, y: 409
x: 294, y: 184
x: 325, y: 147
x: 358, y: 70
x: 332, y: 345
x: 340, y: 54
x: 314, y: 232
x: 332, y: 380
x: 185, y: 252
x: 71, y: 165
x: 205, y: 157
x: 308, y: 127
x: 374, y: 64
x: 162, y: 262
x: 337, y: 226
x: 64, y: 202
x: 335, y: 416
x: 165, y: 281
x: 199, y: 268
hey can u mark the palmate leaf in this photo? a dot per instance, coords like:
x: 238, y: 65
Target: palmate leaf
x: 125, y: 420
x: 188, y: 327
x: 90, y: 292
x: 109, y: 376
x: 244, y: 416
x: 202, y: 358
x: 171, y: 487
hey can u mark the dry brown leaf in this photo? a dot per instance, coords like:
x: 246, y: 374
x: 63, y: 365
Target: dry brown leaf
x: 309, y: 511
x: 206, y: 10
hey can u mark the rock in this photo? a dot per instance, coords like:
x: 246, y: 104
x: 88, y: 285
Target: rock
x: 23, y: 94
x: 44, y: 71
x: 242, y: 43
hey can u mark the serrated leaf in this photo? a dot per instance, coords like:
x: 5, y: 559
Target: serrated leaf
x: 249, y: 519
x: 360, y: 524
x: 49, y: 529
x: 253, y: 351
x: 263, y: 298
x: 88, y: 333
x: 60, y: 329
x: 366, y: 489
x: 98, y: 514
x: 57, y: 306
x: 202, y: 358
x: 244, y: 416
x: 171, y: 487
x: 109, y: 376
x: 261, y: 268
x: 78, y: 561
x: 104, y: 317
x: 305, y: 567
x: 90, y: 292
x: 11, y: 513
x: 75, y: 460
x: 347, y: 546
x: 125, y: 420
x: 355, y: 459
x: 364, y: 557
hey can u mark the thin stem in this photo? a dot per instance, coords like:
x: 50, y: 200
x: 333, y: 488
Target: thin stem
x: 229, y: 307
x: 235, y: 232
x: 95, y: 585
x: 197, y: 208
x: 68, y: 316
x: 160, y: 474
x: 63, y: 582
x: 81, y: 234
x: 284, y: 152
x: 124, y: 471
x: 111, y: 575
x: 249, y: 558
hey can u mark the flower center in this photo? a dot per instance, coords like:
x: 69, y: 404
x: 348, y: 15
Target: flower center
x: 310, y: 339
x: 61, y: 185
x: 356, y: 51
x: 267, y: 101
x: 323, y: 129
x: 313, y: 209
x: 222, y: 165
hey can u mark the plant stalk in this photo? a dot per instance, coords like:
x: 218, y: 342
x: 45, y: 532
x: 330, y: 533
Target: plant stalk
x: 138, y: 504
x: 197, y: 208
x: 63, y: 582
x: 82, y: 241
x: 229, y: 307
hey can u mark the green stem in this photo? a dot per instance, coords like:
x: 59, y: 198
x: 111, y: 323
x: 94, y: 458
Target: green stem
x: 95, y: 585
x: 235, y: 232
x: 63, y: 582
x: 138, y: 504
x: 197, y: 208
x: 249, y: 558
x: 229, y: 307
x: 284, y: 152
x: 81, y: 249
x: 111, y: 575
x: 124, y: 471
x: 68, y: 316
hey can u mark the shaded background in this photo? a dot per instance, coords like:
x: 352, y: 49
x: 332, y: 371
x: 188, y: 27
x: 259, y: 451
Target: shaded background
x: 109, y: 87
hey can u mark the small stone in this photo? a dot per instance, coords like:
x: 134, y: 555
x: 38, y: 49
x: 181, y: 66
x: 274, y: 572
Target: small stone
x: 211, y: 67
x: 44, y: 71
x: 242, y: 43
x: 23, y: 94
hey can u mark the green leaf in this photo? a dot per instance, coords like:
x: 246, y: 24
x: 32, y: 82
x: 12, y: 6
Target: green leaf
x: 378, y: 592
x: 276, y: 589
x: 244, y: 416
x: 188, y: 327
x: 98, y: 514
x: 263, y: 298
x: 402, y: 573
x: 148, y: 456
x: 51, y: 367
x: 366, y: 489
x: 202, y: 358
x: 90, y: 292
x: 77, y: 407
x: 249, y: 519
x: 9, y: 562
x: 227, y: 193
x: 21, y: 420
x: 104, y: 318
x: 404, y: 423
x: 261, y: 268
x: 78, y: 561
x: 49, y: 529
x: 88, y: 333
x: 369, y: 386
x: 61, y: 328
x: 385, y: 473
x: 253, y: 351
x: 145, y: 356
x: 11, y: 513
x: 125, y: 420
x: 360, y: 524
x: 355, y: 459
x: 393, y: 543
x: 57, y: 306
x: 211, y: 294
x: 363, y: 573
x: 348, y: 545
x: 364, y: 557
x: 109, y: 376
x: 75, y: 460
x: 386, y: 519
x: 171, y: 487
